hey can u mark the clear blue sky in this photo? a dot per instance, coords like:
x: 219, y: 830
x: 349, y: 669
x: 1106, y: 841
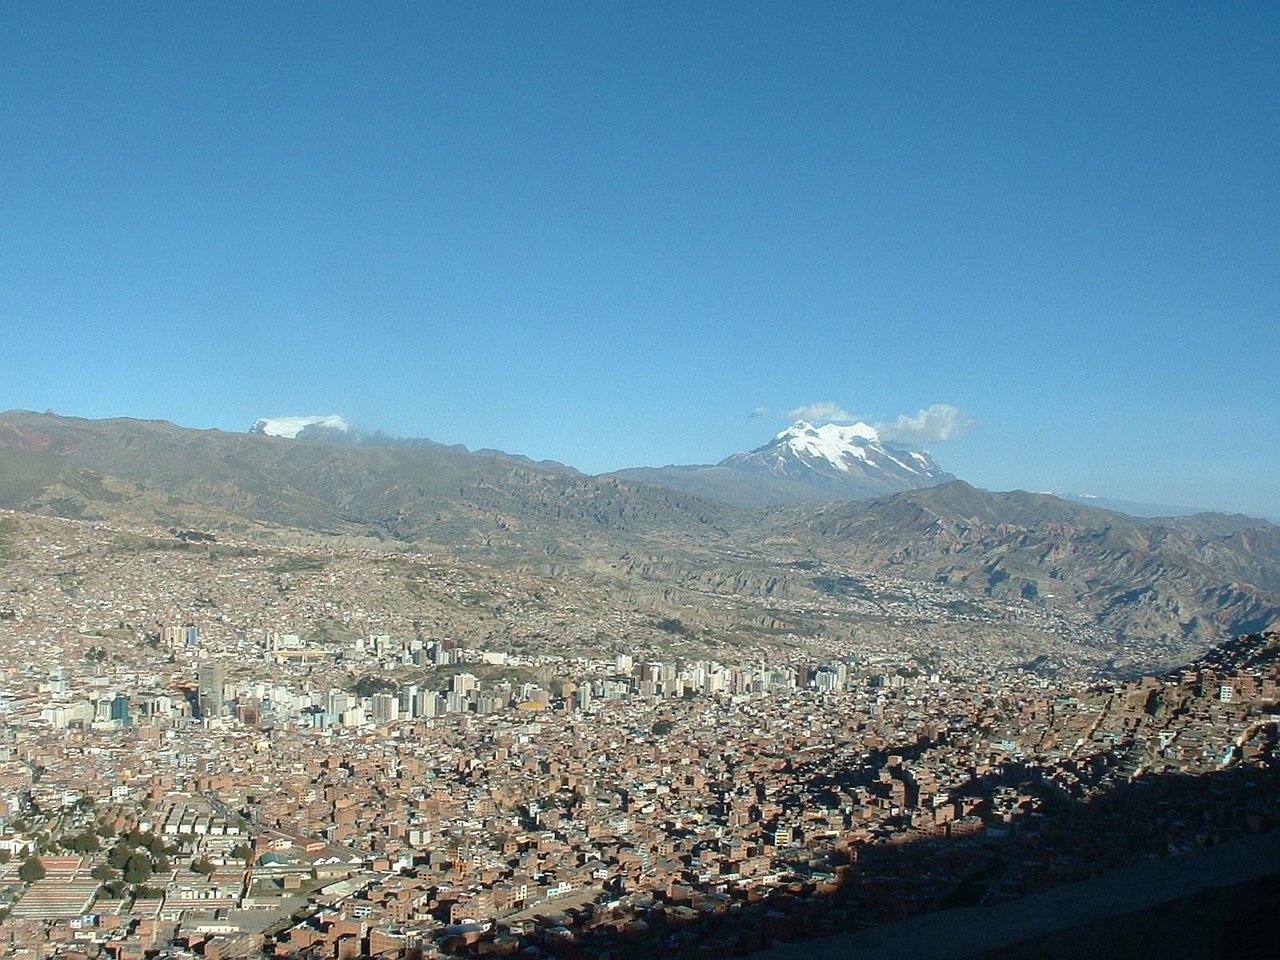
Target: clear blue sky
x: 608, y: 233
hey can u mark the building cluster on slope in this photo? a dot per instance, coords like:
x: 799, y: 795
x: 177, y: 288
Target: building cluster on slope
x: 216, y: 787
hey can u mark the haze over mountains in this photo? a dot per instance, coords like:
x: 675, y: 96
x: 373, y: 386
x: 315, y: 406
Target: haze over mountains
x: 1178, y: 582
x: 1135, y: 508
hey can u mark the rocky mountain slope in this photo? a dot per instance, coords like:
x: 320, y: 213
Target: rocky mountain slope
x: 1206, y: 575
x: 505, y: 508
x: 1187, y: 581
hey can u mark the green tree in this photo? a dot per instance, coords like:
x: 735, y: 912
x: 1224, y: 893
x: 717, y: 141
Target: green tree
x: 367, y: 686
x: 137, y: 869
x: 119, y: 855
x: 5, y: 856
x: 242, y: 851
x: 31, y: 871
x: 102, y: 873
x: 86, y: 842
x: 202, y: 866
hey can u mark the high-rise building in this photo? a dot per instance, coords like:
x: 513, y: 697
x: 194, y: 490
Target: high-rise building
x: 340, y: 701
x: 385, y: 707
x: 409, y: 704
x: 120, y: 710
x: 457, y: 702
x: 212, y: 680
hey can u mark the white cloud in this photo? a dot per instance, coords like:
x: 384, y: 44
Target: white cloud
x: 759, y: 411
x: 932, y: 425
x: 825, y: 410
x: 291, y: 426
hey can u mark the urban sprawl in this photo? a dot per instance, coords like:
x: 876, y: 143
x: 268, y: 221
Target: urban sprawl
x: 175, y: 781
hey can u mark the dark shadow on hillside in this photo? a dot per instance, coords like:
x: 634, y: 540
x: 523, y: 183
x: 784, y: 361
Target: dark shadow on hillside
x: 1045, y: 854
x: 1238, y: 920
x: 1067, y: 839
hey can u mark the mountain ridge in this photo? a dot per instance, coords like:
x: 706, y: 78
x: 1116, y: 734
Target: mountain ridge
x: 803, y: 464
x: 1194, y: 575
x: 404, y: 492
x: 1190, y: 579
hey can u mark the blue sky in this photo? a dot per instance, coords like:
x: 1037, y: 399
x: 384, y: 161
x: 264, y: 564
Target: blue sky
x: 608, y: 233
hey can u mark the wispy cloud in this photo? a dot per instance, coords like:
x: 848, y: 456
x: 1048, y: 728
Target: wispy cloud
x: 933, y: 424
x: 825, y: 410
x: 759, y: 411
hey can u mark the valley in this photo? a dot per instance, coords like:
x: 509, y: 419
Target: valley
x: 315, y: 695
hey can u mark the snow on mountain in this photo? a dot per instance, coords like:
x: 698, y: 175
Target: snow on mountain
x: 850, y: 450
x: 831, y: 442
x: 291, y: 426
x: 805, y: 464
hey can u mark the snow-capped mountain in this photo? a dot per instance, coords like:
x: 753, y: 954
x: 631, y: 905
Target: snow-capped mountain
x: 805, y: 464
x: 292, y: 426
x: 845, y: 454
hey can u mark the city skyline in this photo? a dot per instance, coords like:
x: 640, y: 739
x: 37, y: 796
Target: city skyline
x: 617, y: 238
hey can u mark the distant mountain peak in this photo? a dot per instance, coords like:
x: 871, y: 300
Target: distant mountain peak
x: 842, y: 451
x: 290, y: 427
x: 831, y: 442
x: 804, y: 464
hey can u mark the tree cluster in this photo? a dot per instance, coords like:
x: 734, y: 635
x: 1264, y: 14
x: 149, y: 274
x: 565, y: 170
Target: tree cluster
x: 31, y: 870
x: 134, y: 858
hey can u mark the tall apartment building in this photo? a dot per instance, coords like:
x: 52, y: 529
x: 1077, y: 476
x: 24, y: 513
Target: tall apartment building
x: 212, y: 680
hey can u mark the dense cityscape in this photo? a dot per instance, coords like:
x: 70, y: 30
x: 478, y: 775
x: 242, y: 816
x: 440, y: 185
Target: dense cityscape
x: 614, y: 481
x: 178, y: 779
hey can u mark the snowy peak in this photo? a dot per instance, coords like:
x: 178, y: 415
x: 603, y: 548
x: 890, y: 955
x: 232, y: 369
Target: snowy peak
x: 830, y: 442
x: 804, y: 464
x: 290, y: 427
x: 847, y: 449
x: 837, y: 461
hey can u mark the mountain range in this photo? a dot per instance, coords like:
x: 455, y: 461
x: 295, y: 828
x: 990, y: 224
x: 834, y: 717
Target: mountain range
x: 1181, y: 581
x: 804, y: 464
